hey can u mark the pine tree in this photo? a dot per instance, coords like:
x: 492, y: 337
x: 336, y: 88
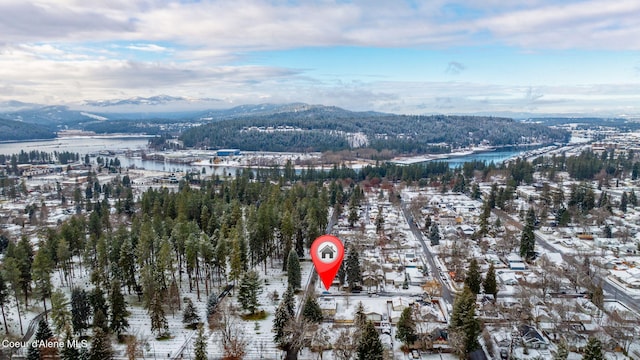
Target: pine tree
x: 190, y: 315
x: 43, y: 333
x: 159, y: 323
x: 69, y: 352
x: 284, y: 313
x: 370, y: 347
x: 41, y: 274
x: 294, y: 278
x: 119, y: 311
x: 563, y: 351
x: 212, y: 304
x: 101, y: 348
x: 80, y: 310
x: 249, y: 290
x: 473, y: 279
x: 60, y: 315
x: 360, y: 318
x: 434, y: 234
x: 311, y: 310
x: 4, y: 294
x: 528, y: 239
x: 633, y: 199
x: 379, y: 221
x: 490, y: 284
x: 200, y: 345
x: 427, y: 222
x: 353, y: 273
x: 235, y: 261
x: 624, y: 201
x: 100, y: 309
x: 465, y: 327
x: 593, y: 350
x: 406, y: 329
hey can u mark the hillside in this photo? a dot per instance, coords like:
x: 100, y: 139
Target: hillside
x: 16, y: 130
x: 319, y: 128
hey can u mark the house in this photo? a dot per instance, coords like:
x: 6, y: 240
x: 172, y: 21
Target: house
x: 328, y: 306
x: 508, y: 278
x: 532, y: 337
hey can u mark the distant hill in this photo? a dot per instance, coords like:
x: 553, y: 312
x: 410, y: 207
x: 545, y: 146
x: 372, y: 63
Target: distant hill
x: 16, y: 130
x: 320, y: 128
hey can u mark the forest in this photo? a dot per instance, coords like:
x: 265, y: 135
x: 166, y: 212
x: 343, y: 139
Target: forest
x: 16, y: 130
x: 319, y: 130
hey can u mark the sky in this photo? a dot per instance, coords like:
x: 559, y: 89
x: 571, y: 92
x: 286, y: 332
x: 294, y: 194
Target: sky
x: 414, y: 57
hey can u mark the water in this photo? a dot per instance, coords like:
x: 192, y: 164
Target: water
x: 94, y: 144
x: 496, y: 157
x: 77, y: 144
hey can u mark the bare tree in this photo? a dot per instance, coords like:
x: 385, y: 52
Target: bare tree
x: 297, y: 332
x: 346, y: 345
x: 232, y: 334
x: 622, y: 326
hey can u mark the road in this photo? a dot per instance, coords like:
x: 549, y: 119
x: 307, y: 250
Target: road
x: 447, y: 295
x: 614, y: 291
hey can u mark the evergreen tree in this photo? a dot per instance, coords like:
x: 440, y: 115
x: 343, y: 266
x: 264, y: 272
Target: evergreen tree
x: 563, y: 351
x: 119, y: 311
x: 353, y: 273
x: 633, y: 199
x: 4, y: 299
x: 465, y: 327
x: 190, y: 315
x: 249, y: 290
x: 593, y: 350
x: 43, y: 333
x: 473, y: 279
x: 159, y: 323
x: 607, y: 231
x: 80, y: 310
x: 434, y: 234
x: 41, y: 274
x: 475, y: 192
x: 528, y: 239
x: 311, y: 310
x: 294, y: 278
x: 484, y: 218
x: 490, y: 284
x: 360, y: 318
x: 24, y: 260
x: 406, y: 329
x: 200, y: 345
x: 370, y: 346
x: 100, y: 309
x: 379, y: 221
x: 60, y: 315
x: 101, y: 348
x: 624, y: 201
x: 212, y: 304
x: 284, y: 313
x: 235, y: 261
x: 69, y: 352
x: 428, y: 222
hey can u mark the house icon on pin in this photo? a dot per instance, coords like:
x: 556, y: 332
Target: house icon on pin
x: 327, y: 252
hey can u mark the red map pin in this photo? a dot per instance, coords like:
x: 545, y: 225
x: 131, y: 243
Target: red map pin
x: 327, y: 253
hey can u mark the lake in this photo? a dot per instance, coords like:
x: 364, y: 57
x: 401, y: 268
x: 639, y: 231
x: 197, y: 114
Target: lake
x: 77, y: 144
x: 497, y: 157
x: 94, y: 144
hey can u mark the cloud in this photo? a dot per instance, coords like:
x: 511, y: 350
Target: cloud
x: 27, y: 21
x: 147, y: 47
x: 454, y: 68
